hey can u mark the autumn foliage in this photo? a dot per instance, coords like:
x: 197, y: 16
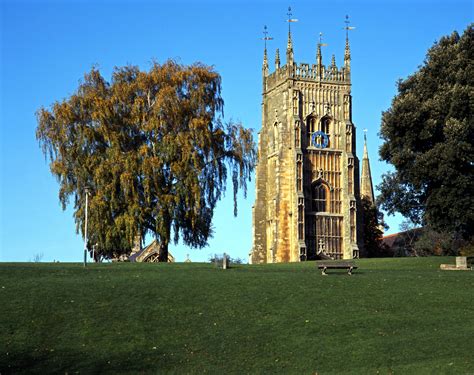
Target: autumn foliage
x: 152, y: 149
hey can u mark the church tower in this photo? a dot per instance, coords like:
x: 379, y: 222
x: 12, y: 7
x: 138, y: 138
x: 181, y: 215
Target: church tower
x: 307, y: 177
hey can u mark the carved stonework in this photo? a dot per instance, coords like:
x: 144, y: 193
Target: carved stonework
x: 327, y: 109
x: 347, y: 107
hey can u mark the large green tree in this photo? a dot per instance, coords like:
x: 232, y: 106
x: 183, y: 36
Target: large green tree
x: 152, y: 149
x: 429, y: 139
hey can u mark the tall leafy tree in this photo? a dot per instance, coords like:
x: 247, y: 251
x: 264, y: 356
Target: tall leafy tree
x: 152, y: 149
x: 372, y: 224
x: 429, y: 139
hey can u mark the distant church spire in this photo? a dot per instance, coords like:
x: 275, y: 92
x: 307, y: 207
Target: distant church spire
x: 366, y: 187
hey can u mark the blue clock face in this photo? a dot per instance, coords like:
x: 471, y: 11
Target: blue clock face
x: 320, y: 139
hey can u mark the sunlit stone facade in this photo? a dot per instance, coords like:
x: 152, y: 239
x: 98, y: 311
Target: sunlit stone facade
x: 307, y: 179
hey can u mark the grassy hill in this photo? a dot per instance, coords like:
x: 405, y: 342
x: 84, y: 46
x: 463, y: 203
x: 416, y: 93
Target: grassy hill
x: 392, y: 316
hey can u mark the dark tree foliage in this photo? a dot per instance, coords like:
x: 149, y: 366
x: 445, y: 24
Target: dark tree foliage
x: 435, y: 242
x: 372, y: 221
x: 153, y: 151
x: 429, y: 139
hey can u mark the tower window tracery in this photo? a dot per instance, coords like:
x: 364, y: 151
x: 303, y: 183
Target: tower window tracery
x: 325, y: 124
x: 297, y: 135
x: 312, y: 125
x: 320, y: 196
x: 315, y: 126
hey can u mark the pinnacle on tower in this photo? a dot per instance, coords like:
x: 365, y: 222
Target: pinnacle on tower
x: 347, y: 51
x: 265, y: 63
x: 277, y: 59
x: 265, y: 58
x: 289, y: 46
x: 333, y: 61
x: 319, y: 56
x: 366, y: 187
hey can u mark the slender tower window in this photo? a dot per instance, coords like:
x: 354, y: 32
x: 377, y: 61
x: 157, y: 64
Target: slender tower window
x: 325, y: 127
x: 325, y: 123
x: 319, y: 197
x: 311, y: 127
x: 275, y: 136
x: 297, y: 135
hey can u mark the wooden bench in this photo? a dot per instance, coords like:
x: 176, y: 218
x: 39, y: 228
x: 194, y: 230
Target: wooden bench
x: 349, y: 266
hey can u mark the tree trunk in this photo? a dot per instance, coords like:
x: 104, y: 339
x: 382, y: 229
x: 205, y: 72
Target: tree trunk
x: 163, y: 253
x: 164, y: 238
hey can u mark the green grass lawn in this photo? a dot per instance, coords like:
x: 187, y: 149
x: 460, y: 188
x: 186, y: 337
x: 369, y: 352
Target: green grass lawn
x: 401, y: 316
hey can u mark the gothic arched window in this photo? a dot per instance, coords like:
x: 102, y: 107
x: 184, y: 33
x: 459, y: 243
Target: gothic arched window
x: 325, y: 125
x: 311, y: 125
x: 319, y: 195
x: 297, y: 135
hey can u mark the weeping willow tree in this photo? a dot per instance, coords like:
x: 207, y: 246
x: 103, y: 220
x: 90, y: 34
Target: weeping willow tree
x: 152, y: 149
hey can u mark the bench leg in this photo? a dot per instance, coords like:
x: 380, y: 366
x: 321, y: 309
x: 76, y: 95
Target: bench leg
x: 323, y: 272
x: 350, y: 271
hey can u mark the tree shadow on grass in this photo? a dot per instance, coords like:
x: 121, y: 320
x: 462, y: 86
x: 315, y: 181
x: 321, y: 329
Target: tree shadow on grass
x: 342, y: 273
x: 82, y: 362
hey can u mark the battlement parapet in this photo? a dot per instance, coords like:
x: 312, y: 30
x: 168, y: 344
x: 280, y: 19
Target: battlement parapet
x: 303, y: 71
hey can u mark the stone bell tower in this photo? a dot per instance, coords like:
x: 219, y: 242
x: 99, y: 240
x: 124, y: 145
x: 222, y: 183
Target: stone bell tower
x: 307, y: 177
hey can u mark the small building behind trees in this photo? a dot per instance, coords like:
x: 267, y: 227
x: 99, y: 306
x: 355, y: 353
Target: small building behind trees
x: 148, y: 254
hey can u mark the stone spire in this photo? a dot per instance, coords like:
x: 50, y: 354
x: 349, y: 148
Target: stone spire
x: 277, y: 59
x: 366, y: 187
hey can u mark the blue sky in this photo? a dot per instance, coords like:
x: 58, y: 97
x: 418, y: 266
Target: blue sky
x: 47, y: 46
